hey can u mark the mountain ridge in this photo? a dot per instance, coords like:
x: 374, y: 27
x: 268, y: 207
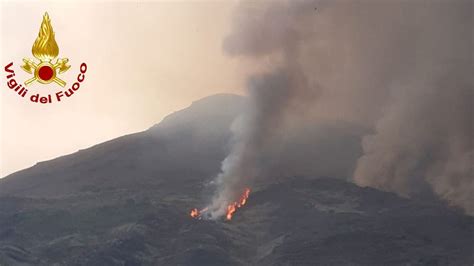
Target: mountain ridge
x: 127, y: 202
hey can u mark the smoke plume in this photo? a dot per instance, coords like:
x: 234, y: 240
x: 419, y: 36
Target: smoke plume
x: 399, y: 69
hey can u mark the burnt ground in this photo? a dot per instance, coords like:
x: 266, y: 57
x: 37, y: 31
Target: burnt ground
x: 127, y: 202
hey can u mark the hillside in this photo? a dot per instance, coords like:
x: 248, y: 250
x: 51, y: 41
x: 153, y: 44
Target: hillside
x: 126, y: 202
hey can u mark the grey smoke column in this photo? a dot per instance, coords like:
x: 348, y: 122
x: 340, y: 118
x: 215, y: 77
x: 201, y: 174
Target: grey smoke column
x: 402, y: 69
x: 424, y: 138
x: 272, y: 94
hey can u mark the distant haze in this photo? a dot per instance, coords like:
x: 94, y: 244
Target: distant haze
x: 145, y: 60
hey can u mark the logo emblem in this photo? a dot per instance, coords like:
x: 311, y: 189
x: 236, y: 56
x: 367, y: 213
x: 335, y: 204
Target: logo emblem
x: 46, y: 50
x: 46, y: 71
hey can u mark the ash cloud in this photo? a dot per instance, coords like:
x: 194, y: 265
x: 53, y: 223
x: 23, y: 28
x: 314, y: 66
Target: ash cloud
x: 398, y: 72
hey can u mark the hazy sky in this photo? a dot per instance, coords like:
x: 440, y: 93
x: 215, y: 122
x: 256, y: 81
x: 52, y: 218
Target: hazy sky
x: 145, y: 60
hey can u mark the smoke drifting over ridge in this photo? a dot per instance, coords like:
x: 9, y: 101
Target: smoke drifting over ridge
x: 401, y: 69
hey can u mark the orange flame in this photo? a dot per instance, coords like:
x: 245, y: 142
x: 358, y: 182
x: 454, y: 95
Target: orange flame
x: 231, y: 208
x: 194, y: 213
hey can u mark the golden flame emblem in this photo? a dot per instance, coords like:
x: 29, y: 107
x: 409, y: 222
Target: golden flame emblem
x: 45, y: 49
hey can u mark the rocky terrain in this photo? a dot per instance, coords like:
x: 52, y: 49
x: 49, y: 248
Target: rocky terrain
x: 127, y: 202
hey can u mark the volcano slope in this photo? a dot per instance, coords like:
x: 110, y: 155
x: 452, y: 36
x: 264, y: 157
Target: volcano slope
x: 127, y: 202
